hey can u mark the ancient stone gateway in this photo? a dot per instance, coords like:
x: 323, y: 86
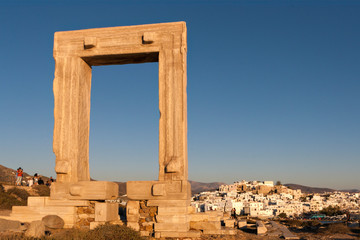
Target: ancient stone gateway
x: 75, y: 52
x: 155, y: 207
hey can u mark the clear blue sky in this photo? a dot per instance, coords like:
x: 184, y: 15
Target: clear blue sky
x: 273, y: 90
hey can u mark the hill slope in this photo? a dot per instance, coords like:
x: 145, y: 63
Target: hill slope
x: 8, y: 175
x: 197, y: 187
x: 307, y: 189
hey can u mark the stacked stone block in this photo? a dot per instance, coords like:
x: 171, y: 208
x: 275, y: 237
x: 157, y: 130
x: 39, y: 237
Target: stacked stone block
x: 75, y: 213
x: 147, y: 218
x: 260, y: 228
x: 211, y: 223
x: 160, y: 218
x: 207, y: 222
x: 85, y: 215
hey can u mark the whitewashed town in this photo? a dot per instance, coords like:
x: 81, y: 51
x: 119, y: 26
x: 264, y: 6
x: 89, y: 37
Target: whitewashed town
x: 264, y: 199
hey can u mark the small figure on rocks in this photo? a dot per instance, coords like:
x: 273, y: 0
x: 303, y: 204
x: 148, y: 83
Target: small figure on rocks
x: 233, y: 213
x: 19, y: 176
x: 31, y: 182
x: 40, y: 181
x: 36, y: 179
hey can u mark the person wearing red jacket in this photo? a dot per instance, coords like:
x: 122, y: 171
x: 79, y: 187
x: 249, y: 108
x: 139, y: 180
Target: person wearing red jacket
x: 19, y: 176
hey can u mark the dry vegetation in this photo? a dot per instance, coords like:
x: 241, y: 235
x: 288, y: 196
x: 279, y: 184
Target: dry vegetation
x: 42, y: 190
x: 104, y: 232
x: 12, y: 197
x: 336, y: 228
x: 315, y: 230
x: 16, y: 196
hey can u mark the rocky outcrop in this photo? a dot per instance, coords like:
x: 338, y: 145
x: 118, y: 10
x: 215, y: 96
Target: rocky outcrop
x: 9, y: 225
x: 36, y: 229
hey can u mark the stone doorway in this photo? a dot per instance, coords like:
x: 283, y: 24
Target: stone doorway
x: 75, y: 52
x: 159, y: 208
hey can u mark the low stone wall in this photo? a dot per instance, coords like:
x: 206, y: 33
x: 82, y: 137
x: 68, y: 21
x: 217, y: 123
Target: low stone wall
x: 147, y: 218
x: 85, y: 215
x: 141, y: 217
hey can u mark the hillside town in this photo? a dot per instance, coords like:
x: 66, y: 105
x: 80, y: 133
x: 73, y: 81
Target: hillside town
x: 263, y: 199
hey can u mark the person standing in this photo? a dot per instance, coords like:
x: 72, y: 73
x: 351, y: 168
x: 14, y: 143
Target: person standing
x: 31, y: 182
x: 19, y: 176
x: 36, y: 179
x: 233, y: 213
x: 40, y: 181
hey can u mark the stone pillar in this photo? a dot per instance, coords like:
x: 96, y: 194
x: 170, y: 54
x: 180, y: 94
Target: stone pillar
x: 173, y: 116
x: 72, y: 85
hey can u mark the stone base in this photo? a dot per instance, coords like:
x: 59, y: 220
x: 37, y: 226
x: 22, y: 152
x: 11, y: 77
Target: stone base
x: 260, y: 228
x: 84, y: 190
x: 223, y: 231
x: 206, y: 225
x: 158, y: 190
x: 159, y: 217
x: 229, y: 223
x: 242, y: 224
x: 172, y: 227
x: 105, y: 212
x: 188, y: 234
x: 210, y: 223
x: 73, y: 212
x: 206, y: 216
x: 29, y: 214
x: 174, y: 219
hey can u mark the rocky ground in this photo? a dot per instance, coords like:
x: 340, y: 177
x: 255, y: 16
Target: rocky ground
x: 322, y: 233
x: 304, y: 236
x: 246, y: 234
